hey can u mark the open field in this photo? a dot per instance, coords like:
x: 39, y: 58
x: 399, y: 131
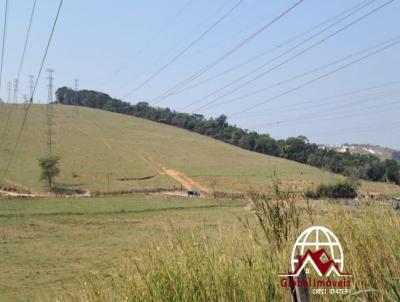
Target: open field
x: 48, y: 244
x: 51, y: 245
x: 242, y: 263
x: 99, y: 148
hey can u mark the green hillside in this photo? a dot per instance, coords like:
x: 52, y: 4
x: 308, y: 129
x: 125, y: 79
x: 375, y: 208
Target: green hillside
x: 103, y: 151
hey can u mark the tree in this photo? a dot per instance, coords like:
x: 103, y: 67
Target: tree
x: 50, y: 169
x: 396, y: 155
x: 391, y: 171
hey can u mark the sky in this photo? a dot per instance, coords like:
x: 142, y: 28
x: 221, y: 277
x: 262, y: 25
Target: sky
x: 308, y: 79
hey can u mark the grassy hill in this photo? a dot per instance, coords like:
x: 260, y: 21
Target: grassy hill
x: 103, y: 151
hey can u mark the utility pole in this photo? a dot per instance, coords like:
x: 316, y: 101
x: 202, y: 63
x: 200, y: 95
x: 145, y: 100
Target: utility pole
x: 49, y: 112
x: 31, y: 81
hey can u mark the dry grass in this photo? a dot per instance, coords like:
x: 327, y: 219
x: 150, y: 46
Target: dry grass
x: 48, y: 244
x: 242, y: 264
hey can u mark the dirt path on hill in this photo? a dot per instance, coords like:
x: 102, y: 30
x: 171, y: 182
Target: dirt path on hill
x: 186, y: 182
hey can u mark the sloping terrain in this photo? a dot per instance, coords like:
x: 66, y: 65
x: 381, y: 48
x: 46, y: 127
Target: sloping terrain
x: 103, y: 151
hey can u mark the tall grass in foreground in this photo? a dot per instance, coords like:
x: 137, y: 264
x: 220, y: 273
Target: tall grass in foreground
x: 243, y: 265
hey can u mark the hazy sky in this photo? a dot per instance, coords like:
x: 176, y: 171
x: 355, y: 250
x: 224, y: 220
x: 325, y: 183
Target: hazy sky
x: 113, y: 46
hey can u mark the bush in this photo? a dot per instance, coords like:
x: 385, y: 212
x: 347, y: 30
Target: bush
x: 339, y: 190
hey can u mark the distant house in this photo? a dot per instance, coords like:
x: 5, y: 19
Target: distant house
x: 343, y: 149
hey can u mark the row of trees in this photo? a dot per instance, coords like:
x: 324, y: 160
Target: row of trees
x: 298, y: 148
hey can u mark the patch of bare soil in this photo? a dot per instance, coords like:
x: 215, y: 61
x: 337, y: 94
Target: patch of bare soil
x: 186, y: 182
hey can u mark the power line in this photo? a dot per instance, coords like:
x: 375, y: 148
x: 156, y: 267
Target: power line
x: 181, y: 41
x: 33, y: 92
x: 316, y: 79
x: 256, y: 77
x: 225, y: 55
x: 26, y: 40
x: 317, y: 115
x: 268, y: 51
x: 380, y: 127
x: 3, y: 41
x: 19, y: 70
x: 4, y: 131
x: 330, y: 100
x: 183, y: 51
x: 340, y: 116
x: 280, y: 83
x: 148, y: 42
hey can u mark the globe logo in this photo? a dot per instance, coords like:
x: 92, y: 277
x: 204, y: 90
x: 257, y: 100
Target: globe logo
x: 315, y: 238
x: 319, y: 248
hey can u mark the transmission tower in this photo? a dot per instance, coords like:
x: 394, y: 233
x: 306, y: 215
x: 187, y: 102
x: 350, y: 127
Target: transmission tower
x: 25, y: 98
x: 76, y: 86
x: 9, y: 92
x: 31, y: 83
x: 49, y: 112
x: 15, y: 95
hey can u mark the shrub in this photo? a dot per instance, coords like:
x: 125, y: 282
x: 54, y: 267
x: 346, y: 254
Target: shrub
x: 338, y: 190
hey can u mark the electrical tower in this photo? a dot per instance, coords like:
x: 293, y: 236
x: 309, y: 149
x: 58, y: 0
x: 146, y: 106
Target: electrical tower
x: 49, y: 112
x: 9, y: 92
x: 31, y: 83
x: 25, y: 98
x: 76, y: 83
x: 15, y: 95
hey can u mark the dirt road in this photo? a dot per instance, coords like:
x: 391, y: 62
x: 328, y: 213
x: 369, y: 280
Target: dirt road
x: 186, y: 182
x: 17, y: 194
